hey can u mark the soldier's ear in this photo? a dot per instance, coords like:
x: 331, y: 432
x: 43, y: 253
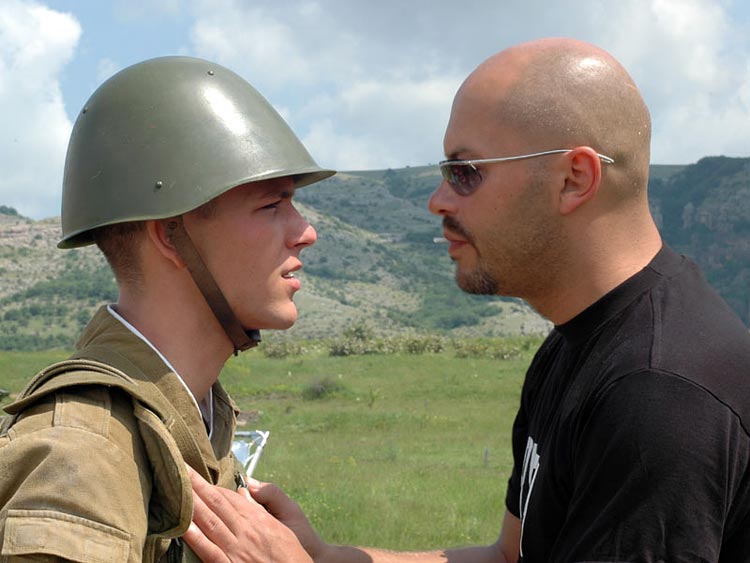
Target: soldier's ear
x: 582, y: 180
x: 157, y: 234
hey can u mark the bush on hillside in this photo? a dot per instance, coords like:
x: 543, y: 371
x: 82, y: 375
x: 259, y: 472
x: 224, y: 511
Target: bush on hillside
x: 358, y: 344
x: 282, y: 348
x: 321, y: 389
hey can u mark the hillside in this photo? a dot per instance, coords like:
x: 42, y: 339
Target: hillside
x: 703, y: 211
x: 375, y: 260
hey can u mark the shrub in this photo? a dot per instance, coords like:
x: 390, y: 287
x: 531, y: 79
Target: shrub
x: 321, y: 389
x: 360, y: 331
x: 358, y: 343
x: 421, y: 344
x: 501, y: 349
x: 471, y: 349
x: 349, y: 346
x: 282, y: 349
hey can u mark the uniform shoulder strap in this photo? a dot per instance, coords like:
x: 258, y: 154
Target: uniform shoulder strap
x: 69, y: 373
x: 81, y: 371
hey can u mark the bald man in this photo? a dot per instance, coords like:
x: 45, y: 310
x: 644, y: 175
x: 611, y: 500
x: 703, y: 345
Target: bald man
x: 631, y: 441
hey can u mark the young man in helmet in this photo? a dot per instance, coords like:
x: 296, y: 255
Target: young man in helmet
x: 632, y: 438
x: 183, y: 175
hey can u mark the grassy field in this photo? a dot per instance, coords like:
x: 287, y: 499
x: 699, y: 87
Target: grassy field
x: 403, y: 451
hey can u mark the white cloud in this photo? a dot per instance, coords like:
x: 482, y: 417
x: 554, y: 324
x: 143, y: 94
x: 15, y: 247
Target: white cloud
x: 105, y: 69
x: 293, y: 47
x: 330, y: 144
x: 685, y: 57
x: 396, y: 121
x: 132, y: 10
x: 370, y: 84
x: 377, y: 79
x: 356, y: 98
x: 35, y: 45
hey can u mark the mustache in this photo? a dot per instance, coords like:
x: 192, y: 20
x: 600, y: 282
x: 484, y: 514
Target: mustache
x: 452, y: 225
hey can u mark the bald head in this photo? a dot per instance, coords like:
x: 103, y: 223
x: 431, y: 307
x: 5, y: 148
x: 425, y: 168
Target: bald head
x: 563, y: 93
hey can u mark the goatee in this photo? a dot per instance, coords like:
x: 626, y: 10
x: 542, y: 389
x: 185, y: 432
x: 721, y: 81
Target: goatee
x: 479, y: 281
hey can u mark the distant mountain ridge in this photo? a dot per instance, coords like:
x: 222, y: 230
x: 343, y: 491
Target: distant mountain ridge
x: 376, y: 261
x: 703, y: 211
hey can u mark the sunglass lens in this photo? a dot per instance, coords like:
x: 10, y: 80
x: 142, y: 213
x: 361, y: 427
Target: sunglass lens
x: 463, y: 178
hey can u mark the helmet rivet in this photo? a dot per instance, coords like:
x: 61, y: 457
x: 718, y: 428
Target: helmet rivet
x: 159, y: 185
x: 85, y: 109
x: 210, y: 72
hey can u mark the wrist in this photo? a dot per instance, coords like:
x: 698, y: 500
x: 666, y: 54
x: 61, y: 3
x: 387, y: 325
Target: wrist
x: 341, y: 554
x: 324, y: 552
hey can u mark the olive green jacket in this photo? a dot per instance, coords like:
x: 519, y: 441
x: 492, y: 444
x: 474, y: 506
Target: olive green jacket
x: 92, y: 471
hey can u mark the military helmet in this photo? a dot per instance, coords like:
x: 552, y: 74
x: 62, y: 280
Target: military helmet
x: 167, y: 135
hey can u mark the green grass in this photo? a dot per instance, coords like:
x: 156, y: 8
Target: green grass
x: 16, y: 368
x: 396, y: 456
x: 391, y: 453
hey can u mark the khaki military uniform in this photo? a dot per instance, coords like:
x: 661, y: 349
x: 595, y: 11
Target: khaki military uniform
x: 91, y: 473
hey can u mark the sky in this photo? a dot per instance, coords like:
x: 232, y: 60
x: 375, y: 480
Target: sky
x: 364, y: 84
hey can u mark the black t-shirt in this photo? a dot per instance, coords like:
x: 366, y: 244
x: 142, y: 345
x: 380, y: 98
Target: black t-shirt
x: 632, y: 441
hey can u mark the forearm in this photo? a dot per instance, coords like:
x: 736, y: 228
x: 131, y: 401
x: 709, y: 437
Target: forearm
x: 347, y: 554
x: 504, y: 550
x: 276, y: 503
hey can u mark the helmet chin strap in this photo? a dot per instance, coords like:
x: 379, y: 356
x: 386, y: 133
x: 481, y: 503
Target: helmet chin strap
x: 241, y: 339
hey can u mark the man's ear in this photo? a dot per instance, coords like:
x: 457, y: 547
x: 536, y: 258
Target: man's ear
x: 157, y: 234
x: 584, y: 175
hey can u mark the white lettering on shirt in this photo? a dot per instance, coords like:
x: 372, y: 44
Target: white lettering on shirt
x: 530, y: 468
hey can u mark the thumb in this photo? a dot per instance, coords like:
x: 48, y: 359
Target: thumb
x: 265, y: 493
x: 244, y: 493
x: 274, y: 500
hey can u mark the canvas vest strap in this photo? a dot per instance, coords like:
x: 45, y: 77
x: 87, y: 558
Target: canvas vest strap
x: 166, y: 437
x: 91, y: 372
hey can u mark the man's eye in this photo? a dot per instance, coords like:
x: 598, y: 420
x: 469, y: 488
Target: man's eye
x: 273, y: 205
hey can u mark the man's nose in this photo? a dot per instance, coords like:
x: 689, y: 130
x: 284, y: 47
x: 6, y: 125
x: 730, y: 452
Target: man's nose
x: 443, y: 199
x: 304, y: 233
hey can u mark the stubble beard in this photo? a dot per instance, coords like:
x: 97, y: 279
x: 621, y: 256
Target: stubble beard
x: 520, y: 270
x: 477, y: 282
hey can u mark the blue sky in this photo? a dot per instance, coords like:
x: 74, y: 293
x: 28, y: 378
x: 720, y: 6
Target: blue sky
x: 366, y: 85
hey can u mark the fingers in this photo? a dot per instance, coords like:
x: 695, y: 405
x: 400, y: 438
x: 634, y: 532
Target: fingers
x: 220, y: 511
x: 200, y: 485
x: 232, y: 526
x: 245, y: 494
x: 208, y: 506
x: 204, y: 548
x: 289, y: 513
x: 221, y: 501
x: 275, y: 501
x: 268, y: 494
x: 221, y: 514
x: 220, y: 518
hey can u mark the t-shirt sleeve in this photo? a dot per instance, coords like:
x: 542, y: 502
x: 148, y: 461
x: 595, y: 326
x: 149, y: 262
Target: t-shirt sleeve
x: 513, y: 493
x: 656, y: 466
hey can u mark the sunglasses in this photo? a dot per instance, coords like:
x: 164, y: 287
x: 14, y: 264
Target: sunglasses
x: 464, y: 177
